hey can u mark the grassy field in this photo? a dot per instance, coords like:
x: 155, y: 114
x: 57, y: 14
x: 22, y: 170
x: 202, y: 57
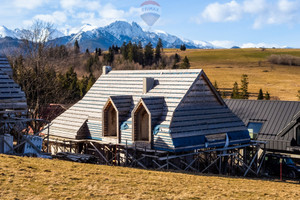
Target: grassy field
x: 33, y: 178
x: 227, y: 65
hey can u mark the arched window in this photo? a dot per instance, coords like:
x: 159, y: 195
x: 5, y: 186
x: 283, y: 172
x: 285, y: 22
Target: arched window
x: 142, y: 125
x: 110, y: 121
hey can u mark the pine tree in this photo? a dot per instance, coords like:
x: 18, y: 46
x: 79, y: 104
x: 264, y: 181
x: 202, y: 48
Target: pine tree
x: 135, y: 53
x: 176, y: 58
x: 96, y: 58
x: 186, y: 63
x: 140, y: 53
x: 244, y: 87
x: 157, y: 53
x: 216, y: 87
x: 76, y: 47
x: 160, y: 44
x: 124, y: 51
x: 109, y: 57
x: 91, y: 82
x: 129, y: 48
x: 182, y: 47
x: 82, y: 85
x: 267, y: 96
x: 71, y: 84
x: 148, y: 52
x: 235, y: 91
x: 99, y: 51
x: 260, y: 95
x: 87, y: 52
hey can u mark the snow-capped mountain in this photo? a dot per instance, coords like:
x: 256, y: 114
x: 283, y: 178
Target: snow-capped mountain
x: 120, y: 31
x: 116, y: 33
x: 5, y: 32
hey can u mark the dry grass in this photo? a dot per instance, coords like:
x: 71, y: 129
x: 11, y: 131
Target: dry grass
x: 33, y: 178
x: 227, y: 65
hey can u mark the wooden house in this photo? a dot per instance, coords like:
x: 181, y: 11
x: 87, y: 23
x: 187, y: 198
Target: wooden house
x: 171, y: 110
x: 276, y: 122
x: 13, y: 104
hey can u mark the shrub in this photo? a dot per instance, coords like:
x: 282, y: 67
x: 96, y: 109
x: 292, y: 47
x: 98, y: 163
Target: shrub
x: 284, y: 60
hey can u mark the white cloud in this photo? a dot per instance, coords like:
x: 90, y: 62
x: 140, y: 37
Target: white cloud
x: 254, y: 6
x: 222, y: 43
x: 110, y: 12
x: 134, y: 11
x: 29, y: 4
x: 287, y: 6
x: 263, y: 12
x: 83, y: 15
x: 82, y: 4
x: 56, y: 17
x: 217, y: 12
x: 259, y: 45
x: 107, y: 14
x: 72, y: 14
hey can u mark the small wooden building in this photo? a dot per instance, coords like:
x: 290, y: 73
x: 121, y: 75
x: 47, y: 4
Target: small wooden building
x: 13, y: 104
x: 276, y: 122
x: 171, y: 110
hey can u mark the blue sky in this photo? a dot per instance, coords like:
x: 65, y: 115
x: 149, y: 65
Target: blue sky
x: 222, y: 22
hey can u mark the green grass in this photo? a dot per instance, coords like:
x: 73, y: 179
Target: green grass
x: 34, y: 178
x: 227, y: 66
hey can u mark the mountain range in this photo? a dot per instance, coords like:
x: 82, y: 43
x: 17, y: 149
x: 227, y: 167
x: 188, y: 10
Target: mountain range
x: 116, y: 33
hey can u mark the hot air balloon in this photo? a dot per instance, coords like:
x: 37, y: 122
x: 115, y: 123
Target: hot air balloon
x: 150, y: 12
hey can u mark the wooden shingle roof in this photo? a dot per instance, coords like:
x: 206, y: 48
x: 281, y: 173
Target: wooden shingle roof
x: 183, y: 104
x: 12, y: 98
x: 171, y: 84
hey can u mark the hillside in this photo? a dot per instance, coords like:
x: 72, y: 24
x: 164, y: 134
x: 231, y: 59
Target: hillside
x: 33, y: 178
x: 227, y: 65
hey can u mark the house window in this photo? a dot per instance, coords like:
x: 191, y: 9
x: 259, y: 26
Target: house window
x: 255, y: 126
x: 298, y: 135
x: 254, y: 129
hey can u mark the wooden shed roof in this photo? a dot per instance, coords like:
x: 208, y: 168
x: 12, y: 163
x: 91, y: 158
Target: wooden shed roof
x: 12, y: 98
x: 5, y: 66
x: 276, y: 116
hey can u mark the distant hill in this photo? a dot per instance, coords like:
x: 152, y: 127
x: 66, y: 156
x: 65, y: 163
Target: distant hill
x: 114, y: 34
x: 9, y: 45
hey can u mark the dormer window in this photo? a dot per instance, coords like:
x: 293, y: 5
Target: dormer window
x: 142, y: 124
x: 110, y: 120
x: 115, y: 111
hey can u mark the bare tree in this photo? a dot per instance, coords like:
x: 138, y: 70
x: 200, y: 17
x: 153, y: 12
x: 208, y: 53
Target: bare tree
x: 35, y: 42
x: 34, y: 72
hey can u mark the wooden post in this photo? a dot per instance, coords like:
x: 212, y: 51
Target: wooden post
x: 126, y: 161
x: 220, y: 165
x: 168, y: 161
x: 48, y: 139
x: 280, y: 160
